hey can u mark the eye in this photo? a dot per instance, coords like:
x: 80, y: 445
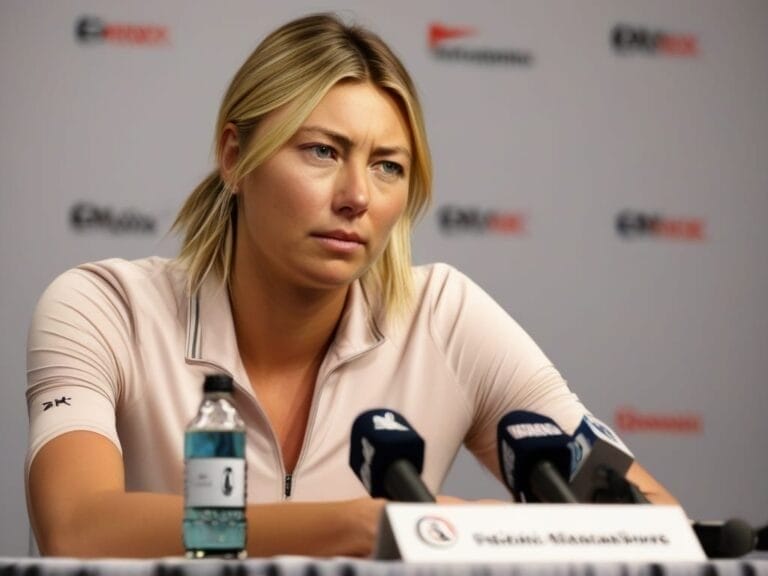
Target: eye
x: 322, y: 151
x: 391, y: 168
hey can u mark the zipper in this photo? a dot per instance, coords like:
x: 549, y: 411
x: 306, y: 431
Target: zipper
x: 321, y: 380
x: 288, y: 477
x: 285, y: 488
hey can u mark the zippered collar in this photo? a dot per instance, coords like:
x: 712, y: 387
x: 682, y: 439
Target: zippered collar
x: 211, y: 335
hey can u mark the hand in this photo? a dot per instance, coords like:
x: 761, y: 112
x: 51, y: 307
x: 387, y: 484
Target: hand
x: 365, y: 513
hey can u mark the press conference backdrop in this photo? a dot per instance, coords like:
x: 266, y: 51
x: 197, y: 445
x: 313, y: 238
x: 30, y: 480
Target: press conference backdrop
x: 601, y: 170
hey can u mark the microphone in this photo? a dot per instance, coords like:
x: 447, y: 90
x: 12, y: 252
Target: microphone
x: 387, y: 455
x: 762, y: 538
x: 535, y: 458
x: 729, y: 539
x: 600, y: 462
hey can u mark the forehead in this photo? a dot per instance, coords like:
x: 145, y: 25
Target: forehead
x: 362, y: 111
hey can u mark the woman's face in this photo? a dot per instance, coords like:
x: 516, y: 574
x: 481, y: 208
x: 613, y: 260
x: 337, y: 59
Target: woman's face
x: 320, y: 210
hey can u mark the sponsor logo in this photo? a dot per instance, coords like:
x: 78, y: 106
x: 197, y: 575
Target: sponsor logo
x: 520, y: 431
x: 627, y: 39
x: 631, y: 224
x: 436, y: 532
x: 630, y: 420
x: 88, y: 217
x: 388, y: 422
x: 455, y: 219
x: 93, y: 30
x: 439, y: 33
x: 442, y: 42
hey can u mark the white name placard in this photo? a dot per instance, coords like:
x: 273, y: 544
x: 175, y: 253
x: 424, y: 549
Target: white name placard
x: 537, y: 533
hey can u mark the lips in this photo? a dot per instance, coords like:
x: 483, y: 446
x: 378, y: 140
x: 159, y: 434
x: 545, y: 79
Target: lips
x: 341, y: 235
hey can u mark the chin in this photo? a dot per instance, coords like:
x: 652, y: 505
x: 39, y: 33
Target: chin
x: 334, y: 277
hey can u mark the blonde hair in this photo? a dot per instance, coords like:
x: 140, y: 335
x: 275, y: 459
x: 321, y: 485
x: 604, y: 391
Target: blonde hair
x: 294, y: 67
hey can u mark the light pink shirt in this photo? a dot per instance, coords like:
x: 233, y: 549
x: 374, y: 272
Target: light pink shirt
x: 119, y: 348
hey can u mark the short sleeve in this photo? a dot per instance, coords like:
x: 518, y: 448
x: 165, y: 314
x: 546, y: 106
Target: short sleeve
x: 78, y: 357
x: 496, y: 363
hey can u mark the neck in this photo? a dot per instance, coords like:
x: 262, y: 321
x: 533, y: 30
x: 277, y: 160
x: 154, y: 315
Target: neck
x: 282, y: 328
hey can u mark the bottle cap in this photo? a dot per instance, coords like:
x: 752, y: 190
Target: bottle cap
x: 218, y: 383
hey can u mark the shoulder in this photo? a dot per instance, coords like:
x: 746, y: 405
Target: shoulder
x: 118, y: 272
x: 431, y: 281
x: 447, y: 306
x: 434, y: 271
x: 461, y: 316
x: 442, y: 289
x: 118, y: 279
x: 113, y: 289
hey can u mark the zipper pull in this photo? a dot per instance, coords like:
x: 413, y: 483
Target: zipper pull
x: 288, y: 482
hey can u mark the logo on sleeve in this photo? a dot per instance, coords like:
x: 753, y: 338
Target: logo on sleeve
x: 56, y: 403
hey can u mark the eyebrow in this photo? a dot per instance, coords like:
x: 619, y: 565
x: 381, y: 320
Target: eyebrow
x: 347, y: 143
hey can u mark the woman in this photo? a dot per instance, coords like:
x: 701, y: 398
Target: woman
x: 295, y: 278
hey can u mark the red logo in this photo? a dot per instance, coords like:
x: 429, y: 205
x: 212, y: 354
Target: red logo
x: 456, y: 219
x: 678, y: 45
x: 631, y: 421
x: 439, y: 33
x: 640, y: 40
x: 90, y: 29
x: 632, y: 224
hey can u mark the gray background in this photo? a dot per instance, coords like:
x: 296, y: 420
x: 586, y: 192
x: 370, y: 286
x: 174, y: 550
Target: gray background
x: 666, y: 327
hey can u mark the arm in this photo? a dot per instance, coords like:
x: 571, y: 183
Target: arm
x: 80, y: 348
x: 79, y: 507
x: 503, y: 369
x: 649, y: 486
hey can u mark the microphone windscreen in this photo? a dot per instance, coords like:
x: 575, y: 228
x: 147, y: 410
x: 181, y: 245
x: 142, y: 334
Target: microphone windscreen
x: 729, y: 539
x: 380, y: 438
x: 762, y: 538
x: 595, y: 447
x: 738, y: 539
x: 525, y: 439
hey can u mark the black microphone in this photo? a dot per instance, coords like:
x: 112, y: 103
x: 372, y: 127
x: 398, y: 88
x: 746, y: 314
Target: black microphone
x: 601, y: 461
x: 729, y: 539
x: 387, y: 455
x: 762, y: 538
x: 535, y: 458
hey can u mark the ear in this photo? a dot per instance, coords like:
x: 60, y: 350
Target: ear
x: 229, y: 154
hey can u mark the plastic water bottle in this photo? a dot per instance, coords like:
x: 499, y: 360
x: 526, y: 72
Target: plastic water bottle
x: 215, y: 475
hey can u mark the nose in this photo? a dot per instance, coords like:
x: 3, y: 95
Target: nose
x: 352, y: 195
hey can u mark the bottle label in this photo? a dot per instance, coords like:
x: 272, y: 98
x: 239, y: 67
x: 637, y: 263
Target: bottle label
x: 215, y: 482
